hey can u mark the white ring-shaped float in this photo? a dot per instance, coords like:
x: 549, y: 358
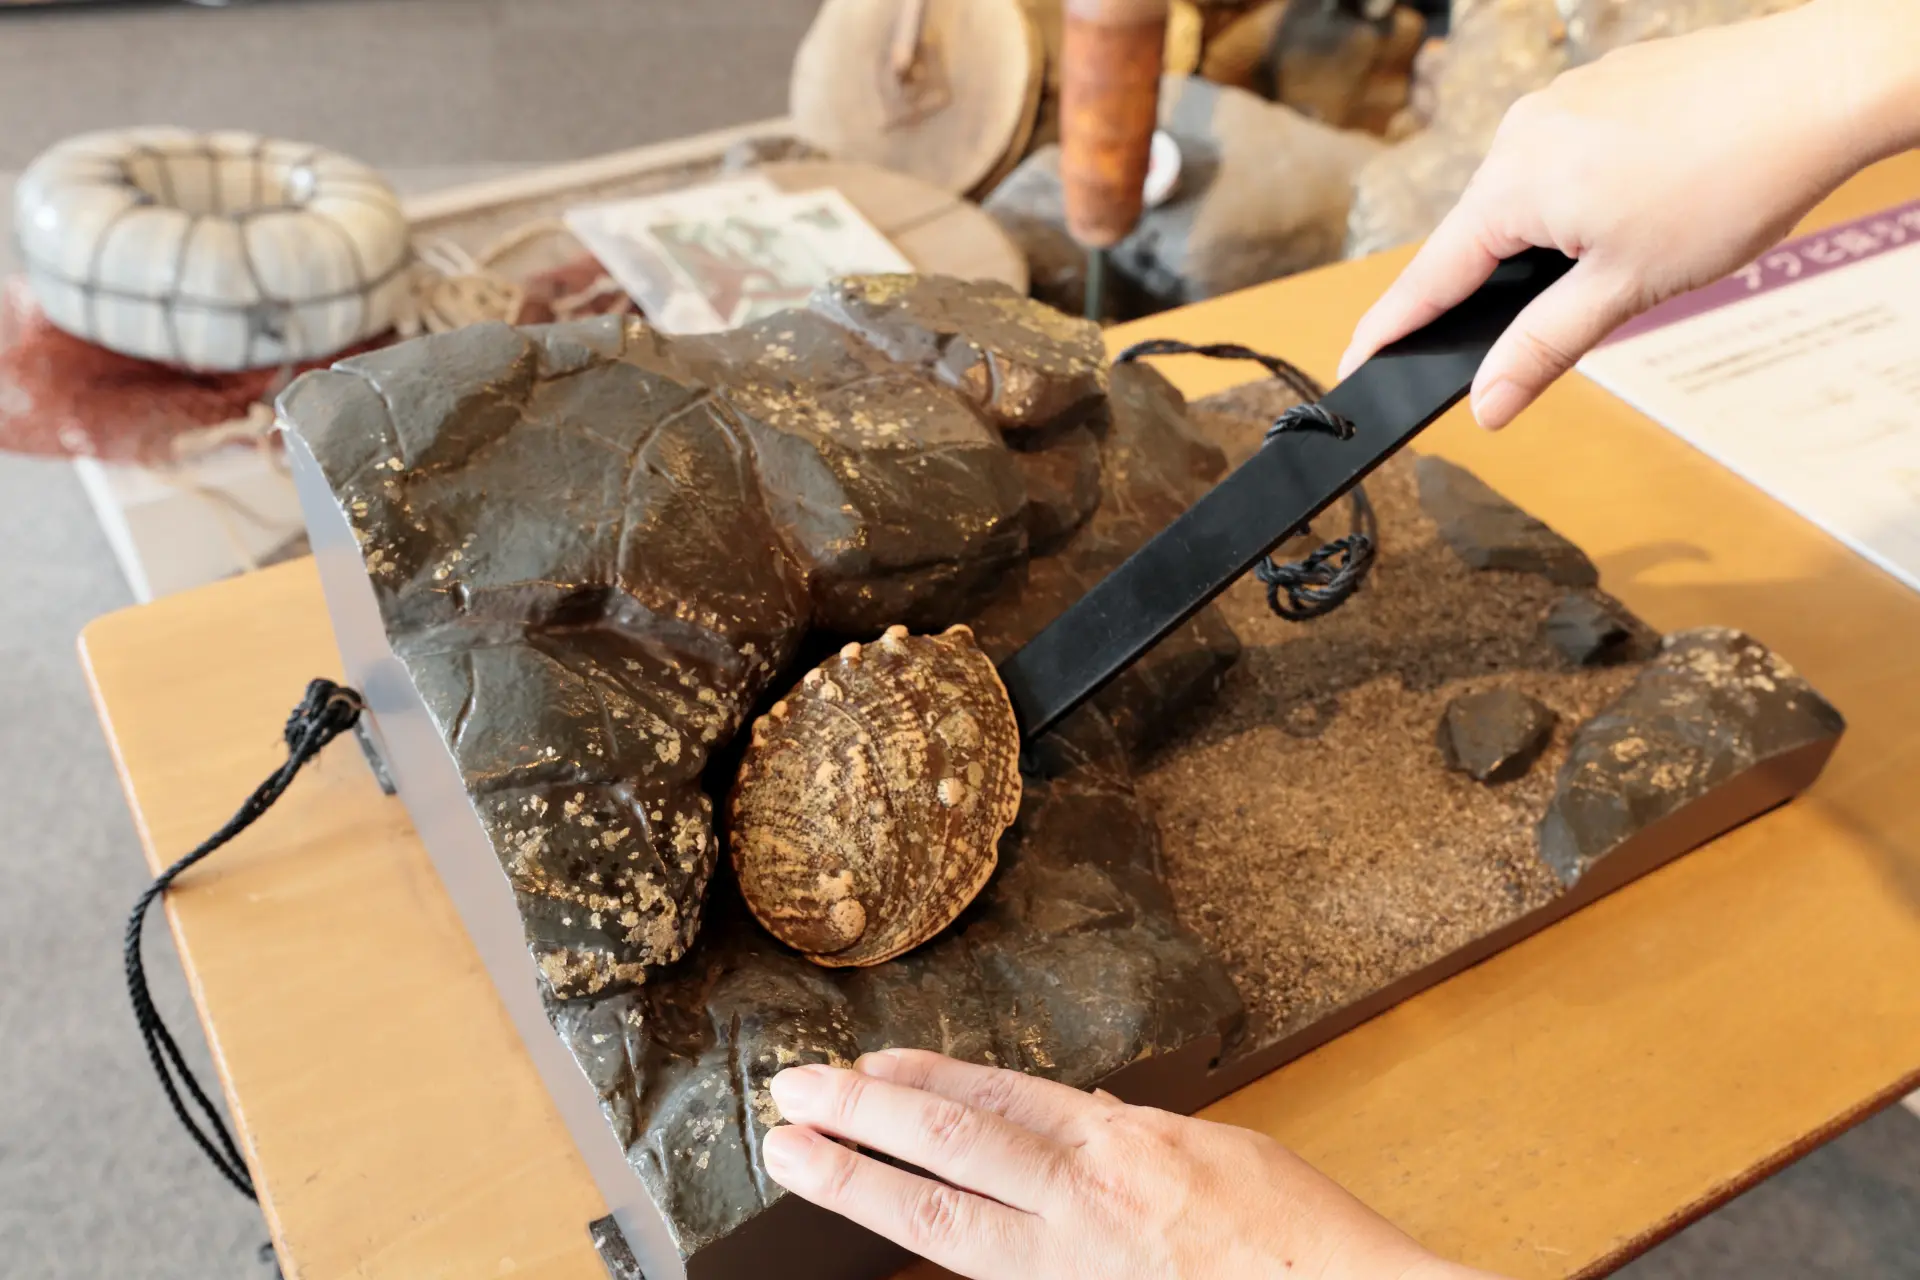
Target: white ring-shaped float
x: 217, y: 251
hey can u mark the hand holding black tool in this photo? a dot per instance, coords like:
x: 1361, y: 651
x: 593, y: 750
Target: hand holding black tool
x: 1296, y: 475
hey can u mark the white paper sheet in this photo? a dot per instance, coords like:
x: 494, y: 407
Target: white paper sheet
x: 723, y: 255
x: 1800, y: 373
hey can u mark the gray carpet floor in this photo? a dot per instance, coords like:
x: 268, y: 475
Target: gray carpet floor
x: 95, y: 1180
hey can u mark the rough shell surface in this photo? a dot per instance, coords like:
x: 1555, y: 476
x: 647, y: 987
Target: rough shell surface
x: 868, y: 810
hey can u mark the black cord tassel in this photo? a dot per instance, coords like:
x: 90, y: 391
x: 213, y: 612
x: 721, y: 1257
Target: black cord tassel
x: 1326, y: 579
x: 327, y: 711
x: 1297, y: 379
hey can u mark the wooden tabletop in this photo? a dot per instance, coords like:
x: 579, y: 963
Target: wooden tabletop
x: 1547, y: 1113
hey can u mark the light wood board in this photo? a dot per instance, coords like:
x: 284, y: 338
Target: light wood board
x: 1545, y: 1114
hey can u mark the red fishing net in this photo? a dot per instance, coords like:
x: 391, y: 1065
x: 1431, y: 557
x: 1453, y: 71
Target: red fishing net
x: 574, y: 289
x: 63, y: 397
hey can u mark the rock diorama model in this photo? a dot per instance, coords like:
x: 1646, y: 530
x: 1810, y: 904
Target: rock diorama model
x: 688, y: 642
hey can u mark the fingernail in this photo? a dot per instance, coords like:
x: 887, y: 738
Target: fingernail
x: 1348, y: 362
x: 880, y: 1064
x: 1496, y: 404
x: 797, y: 1087
x: 784, y: 1150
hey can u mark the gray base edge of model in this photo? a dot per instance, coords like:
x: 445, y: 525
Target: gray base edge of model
x: 430, y: 786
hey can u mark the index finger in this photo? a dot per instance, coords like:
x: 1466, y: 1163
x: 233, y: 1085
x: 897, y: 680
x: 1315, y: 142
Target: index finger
x: 1047, y: 1107
x: 964, y: 1145
x: 1455, y: 260
x: 955, y: 1229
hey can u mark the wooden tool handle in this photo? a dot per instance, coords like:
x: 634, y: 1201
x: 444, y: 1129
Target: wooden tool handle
x: 1110, y: 63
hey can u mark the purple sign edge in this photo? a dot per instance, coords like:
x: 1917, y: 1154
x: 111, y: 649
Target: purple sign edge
x: 1755, y: 280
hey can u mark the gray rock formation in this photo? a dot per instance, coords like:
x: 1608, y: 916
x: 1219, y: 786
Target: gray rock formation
x: 595, y: 548
x: 1263, y: 193
x: 1488, y: 532
x: 1497, y: 52
x: 544, y: 516
x: 1494, y: 736
x: 1030, y: 206
x: 1713, y: 705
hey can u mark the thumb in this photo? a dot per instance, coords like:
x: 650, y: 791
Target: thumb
x: 1547, y: 339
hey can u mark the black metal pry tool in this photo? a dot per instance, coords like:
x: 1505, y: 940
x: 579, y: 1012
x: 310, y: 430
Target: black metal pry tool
x: 1293, y: 478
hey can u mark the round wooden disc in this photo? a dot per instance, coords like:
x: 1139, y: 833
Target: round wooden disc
x: 1023, y: 133
x: 939, y: 233
x: 1050, y: 20
x: 958, y: 115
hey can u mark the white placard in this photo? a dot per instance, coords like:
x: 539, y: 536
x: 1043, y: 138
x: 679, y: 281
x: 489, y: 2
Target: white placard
x: 1800, y: 373
x: 720, y: 256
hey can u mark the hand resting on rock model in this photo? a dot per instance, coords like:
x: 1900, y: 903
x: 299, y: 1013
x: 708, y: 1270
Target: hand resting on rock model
x: 1029, y: 1178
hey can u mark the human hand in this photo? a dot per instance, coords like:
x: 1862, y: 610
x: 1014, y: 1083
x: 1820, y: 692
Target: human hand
x: 1041, y: 1181
x: 1661, y: 167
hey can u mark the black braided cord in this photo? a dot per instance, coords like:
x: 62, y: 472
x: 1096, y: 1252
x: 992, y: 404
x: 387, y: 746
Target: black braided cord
x: 1298, y: 380
x: 327, y: 711
x: 1314, y: 587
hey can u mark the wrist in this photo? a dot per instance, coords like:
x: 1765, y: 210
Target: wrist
x: 1865, y: 56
